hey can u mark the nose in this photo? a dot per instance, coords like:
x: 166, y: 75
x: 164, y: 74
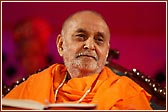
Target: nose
x: 89, y: 44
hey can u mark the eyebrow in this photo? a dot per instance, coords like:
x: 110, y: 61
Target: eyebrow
x: 81, y: 30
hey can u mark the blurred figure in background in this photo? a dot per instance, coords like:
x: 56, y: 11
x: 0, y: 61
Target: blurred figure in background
x: 29, y: 35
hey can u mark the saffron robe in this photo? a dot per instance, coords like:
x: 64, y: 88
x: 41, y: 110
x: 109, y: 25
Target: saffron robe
x: 110, y: 92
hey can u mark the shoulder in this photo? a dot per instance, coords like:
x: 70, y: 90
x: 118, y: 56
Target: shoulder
x: 131, y: 88
x: 44, y: 72
x: 128, y: 83
x: 124, y: 84
x: 40, y: 76
x: 123, y: 81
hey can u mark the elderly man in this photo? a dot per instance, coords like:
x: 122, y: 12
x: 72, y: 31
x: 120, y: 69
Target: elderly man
x: 84, y: 45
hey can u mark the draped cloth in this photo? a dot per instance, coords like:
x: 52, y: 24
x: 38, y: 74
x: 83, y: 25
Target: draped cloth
x: 109, y: 92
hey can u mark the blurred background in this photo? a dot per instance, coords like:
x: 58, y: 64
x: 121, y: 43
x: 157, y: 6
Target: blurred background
x: 29, y: 31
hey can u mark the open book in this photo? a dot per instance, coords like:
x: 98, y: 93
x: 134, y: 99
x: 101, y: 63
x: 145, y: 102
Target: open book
x: 19, y: 104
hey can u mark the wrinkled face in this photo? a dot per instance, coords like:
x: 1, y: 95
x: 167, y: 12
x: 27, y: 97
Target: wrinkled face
x: 84, y: 43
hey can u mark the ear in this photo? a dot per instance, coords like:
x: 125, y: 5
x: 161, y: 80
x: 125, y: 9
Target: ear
x: 59, y: 43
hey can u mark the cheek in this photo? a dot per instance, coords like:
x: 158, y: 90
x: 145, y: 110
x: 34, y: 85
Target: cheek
x: 69, y: 45
x: 69, y: 51
x: 102, y: 54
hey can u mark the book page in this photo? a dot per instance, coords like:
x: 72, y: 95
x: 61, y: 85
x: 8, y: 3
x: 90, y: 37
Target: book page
x: 21, y: 104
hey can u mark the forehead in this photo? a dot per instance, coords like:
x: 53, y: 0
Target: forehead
x: 89, y: 21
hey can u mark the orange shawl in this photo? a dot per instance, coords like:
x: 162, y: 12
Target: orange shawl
x: 110, y: 91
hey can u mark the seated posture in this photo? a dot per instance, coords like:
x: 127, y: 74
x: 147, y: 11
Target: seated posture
x: 84, y: 78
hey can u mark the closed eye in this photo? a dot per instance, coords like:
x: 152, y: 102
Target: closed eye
x: 80, y: 35
x: 99, y: 39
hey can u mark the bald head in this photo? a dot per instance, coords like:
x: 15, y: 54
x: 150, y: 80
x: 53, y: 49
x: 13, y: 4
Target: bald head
x: 83, y: 14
